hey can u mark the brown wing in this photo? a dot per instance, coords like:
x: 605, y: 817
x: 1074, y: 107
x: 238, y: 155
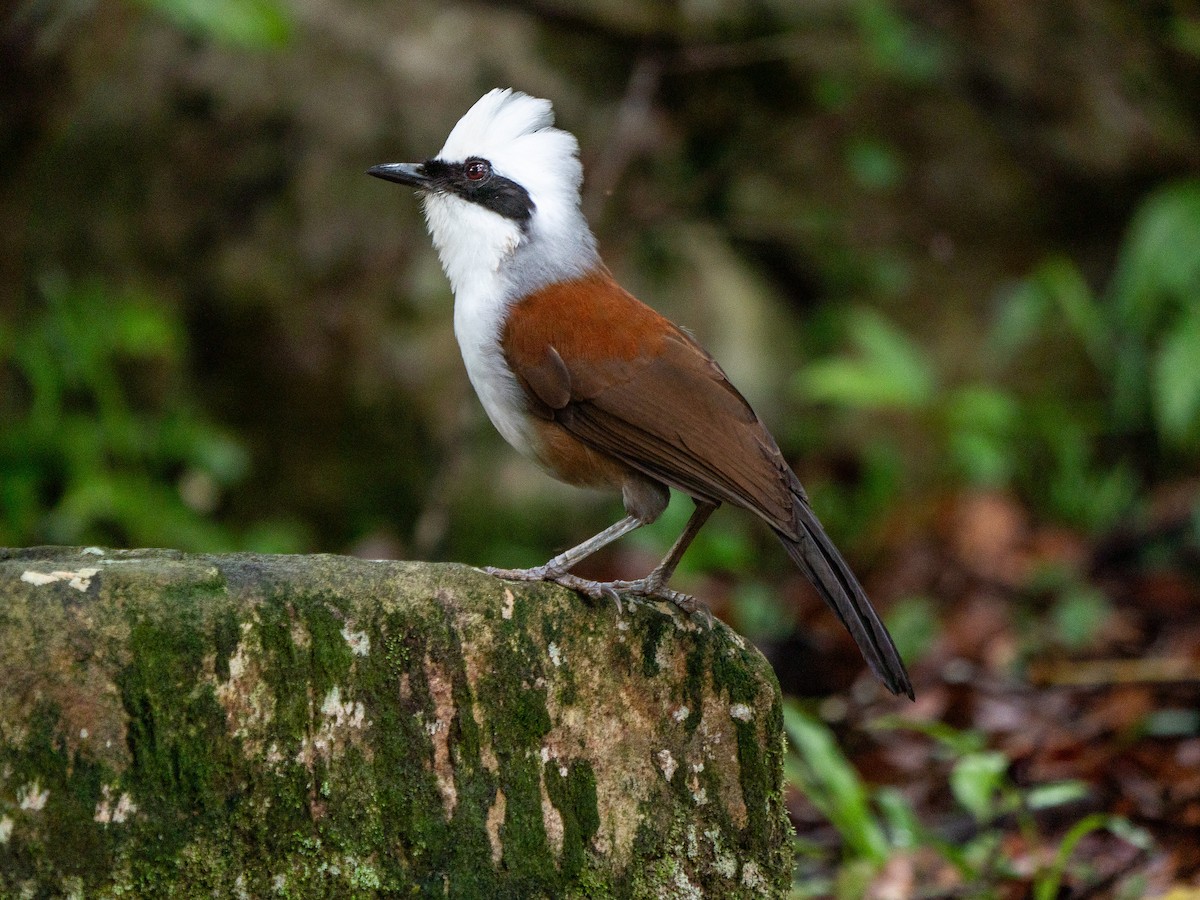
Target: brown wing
x: 627, y: 382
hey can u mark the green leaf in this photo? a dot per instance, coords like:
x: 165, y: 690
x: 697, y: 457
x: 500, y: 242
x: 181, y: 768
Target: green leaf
x: 981, y: 423
x: 253, y: 24
x: 1056, y: 285
x: 1044, y: 796
x: 823, y: 774
x: 1158, y: 267
x: 1177, y: 382
x: 1185, y: 34
x: 1020, y: 319
x: 975, y: 781
x: 145, y: 331
x: 1046, y: 885
x: 1173, y: 723
x: 889, y: 371
x: 903, y: 824
x: 1064, y: 284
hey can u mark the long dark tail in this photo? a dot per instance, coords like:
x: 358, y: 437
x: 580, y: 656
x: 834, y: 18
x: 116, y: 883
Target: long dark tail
x: 823, y: 565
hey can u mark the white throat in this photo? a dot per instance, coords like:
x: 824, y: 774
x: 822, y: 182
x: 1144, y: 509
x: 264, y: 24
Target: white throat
x: 493, y: 260
x: 492, y: 263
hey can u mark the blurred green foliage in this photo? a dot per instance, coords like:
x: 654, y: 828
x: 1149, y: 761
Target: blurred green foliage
x: 1078, y: 453
x: 976, y: 226
x: 249, y: 24
x: 875, y: 823
x: 100, y: 442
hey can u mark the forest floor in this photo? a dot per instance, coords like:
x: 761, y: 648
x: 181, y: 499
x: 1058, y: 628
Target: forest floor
x: 1056, y: 660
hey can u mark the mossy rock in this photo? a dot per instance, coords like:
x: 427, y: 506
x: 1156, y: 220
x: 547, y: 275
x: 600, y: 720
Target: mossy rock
x: 317, y: 726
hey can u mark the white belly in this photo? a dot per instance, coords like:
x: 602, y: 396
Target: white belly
x: 477, y: 327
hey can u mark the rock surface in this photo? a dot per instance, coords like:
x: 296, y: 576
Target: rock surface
x: 317, y: 726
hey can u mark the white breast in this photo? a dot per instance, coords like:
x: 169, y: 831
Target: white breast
x: 478, y: 321
x: 489, y: 261
x: 475, y: 245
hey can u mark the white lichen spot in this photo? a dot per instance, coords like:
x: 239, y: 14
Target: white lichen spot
x: 662, y: 657
x: 506, y: 611
x: 556, y: 655
x: 80, y: 580
x: 359, y: 641
x: 6, y: 827
x: 237, y: 664
x: 344, y: 715
x: 741, y: 712
x: 92, y: 551
x: 693, y: 845
x: 32, y: 798
x: 83, y: 734
x: 684, y: 889
x: 667, y: 763
x: 751, y: 877
x: 726, y: 865
x: 339, y: 716
x: 562, y: 771
x: 545, y: 754
x: 700, y: 796
x: 108, y: 812
x: 279, y: 884
x: 723, y: 861
x: 239, y: 888
x: 680, y: 714
x: 333, y: 702
x: 622, y: 625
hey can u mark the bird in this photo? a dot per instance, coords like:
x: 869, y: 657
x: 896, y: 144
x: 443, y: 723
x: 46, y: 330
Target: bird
x: 594, y: 386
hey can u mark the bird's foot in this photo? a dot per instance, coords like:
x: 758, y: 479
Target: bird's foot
x: 650, y: 588
x: 653, y: 589
x: 596, y: 590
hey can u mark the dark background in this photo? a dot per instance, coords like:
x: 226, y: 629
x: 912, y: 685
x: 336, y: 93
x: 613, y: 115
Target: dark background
x: 950, y: 252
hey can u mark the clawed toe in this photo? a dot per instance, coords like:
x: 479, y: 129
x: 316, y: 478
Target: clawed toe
x: 654, y: 590
x: 649, y: 588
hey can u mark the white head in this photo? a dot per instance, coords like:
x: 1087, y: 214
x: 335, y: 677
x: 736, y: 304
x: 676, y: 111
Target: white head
x: 502, y: 198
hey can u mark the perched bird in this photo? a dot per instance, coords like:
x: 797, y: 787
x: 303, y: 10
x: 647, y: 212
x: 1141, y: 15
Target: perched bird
x: 593, y: 385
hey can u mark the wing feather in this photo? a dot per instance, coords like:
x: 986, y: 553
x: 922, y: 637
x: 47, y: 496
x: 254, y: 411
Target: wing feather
x: 627, y: 382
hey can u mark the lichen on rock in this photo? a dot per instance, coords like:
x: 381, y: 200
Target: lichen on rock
x: 322, y: 726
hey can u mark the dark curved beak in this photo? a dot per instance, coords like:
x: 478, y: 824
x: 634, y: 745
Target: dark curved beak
x: 412, y: 174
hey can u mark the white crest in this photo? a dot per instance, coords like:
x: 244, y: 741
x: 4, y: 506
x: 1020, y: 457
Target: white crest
x: 481, y: 249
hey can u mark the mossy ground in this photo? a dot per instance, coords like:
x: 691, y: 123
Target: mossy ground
x: 321, y: 726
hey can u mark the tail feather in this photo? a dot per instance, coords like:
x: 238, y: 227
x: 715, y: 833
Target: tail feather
x: 823, y: 565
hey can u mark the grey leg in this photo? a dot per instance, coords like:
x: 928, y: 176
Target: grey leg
x: 655, y: 584
x: 559, y: 565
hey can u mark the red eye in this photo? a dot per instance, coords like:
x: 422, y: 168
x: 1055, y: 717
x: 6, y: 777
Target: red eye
x: 477, y: 169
